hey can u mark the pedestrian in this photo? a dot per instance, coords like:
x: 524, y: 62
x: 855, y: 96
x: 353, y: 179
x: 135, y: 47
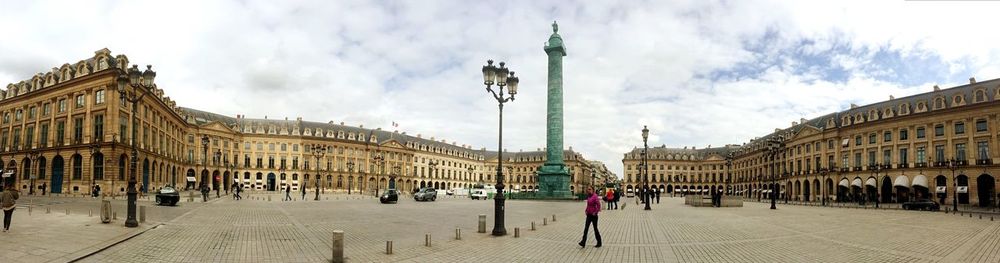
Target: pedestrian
x: 288, y: 192
x: 239, y: 190
x: 593, y: 207
x: 44, y: 186
x: 97, y: 190
x: 658, y: 195
x: 216, y: 190
x: 7, y: 199
x: 140, y: 190
x: 303, y: 188
x: 204, y: 192
x: 609, y: 198
x: 618, y: 196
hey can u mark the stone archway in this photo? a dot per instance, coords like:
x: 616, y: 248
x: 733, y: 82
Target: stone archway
x: 986, y: 190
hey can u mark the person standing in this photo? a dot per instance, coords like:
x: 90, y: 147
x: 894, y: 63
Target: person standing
x: 288, y: 193
x: 239, y: 190
x: 609, y: 198
x: 593, y: 207
x: 97, y: 190
x: 7, y: 199
x: 618, y: 196
x: 44, y: 186
x: 216, y: 190
x: 303, y: 188
x: 658, y: 195
x: 204, y: 192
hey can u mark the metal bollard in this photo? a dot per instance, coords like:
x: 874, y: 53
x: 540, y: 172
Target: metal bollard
x: 482, y: 223
x: 545, y: 221
x: 91, y: 213
x: 427, y: 240
x: 553, y: 217
x: 67, y: 211
x: 980, y: 216
x: 458, y: 234
x: 970, y: 215
x: 142, y: 214
x: 269, y: 198
x: 338, y: 246
x: 517, y: 232
x: 48, y: 210
x: 114, y: 215
x: 388, y: 247
x: 532, y: 225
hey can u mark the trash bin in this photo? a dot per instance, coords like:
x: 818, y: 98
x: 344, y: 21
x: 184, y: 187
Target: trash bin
x: 106, y: 211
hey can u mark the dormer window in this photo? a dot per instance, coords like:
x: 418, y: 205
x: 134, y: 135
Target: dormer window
x: 980, y: 96
x: 904, y: 109
x: 938, y: 103
x: 958, y: 100
x: 921, y: 106
x: 872, y: 115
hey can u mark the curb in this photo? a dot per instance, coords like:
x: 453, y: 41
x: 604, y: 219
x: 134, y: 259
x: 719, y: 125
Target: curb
x: 94, y: 249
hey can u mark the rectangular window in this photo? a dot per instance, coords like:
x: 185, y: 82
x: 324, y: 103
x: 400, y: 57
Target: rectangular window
x: 887, y: 156
x: 903, y: 158
x: 921, y: 155
x: 887, y: 136
x: 939, y: 130
x: 246, y: 146
x: 122, y: 127
x: 904, y: 134
x: 871, y: 157
x: 99, y: 97
x: 29, y: 136
x: 960, y: 128
x: 31, y: 112
x: 857, y: 140
x: 984, y: 150
x: 960, y: 151
x: 980, y: 125
x: 60, y: 132
x: 939, y: 153
x: 62, y: 105
x: 46, y: 109
x: 99, y: 128
x: 17, y: 138
x: 78, y: 130
x: 857, y: 159
x: 79, y: 101
x: 44, y: 135
x: 871, y: 139
x: 3, y: 141
x: 921, y: 133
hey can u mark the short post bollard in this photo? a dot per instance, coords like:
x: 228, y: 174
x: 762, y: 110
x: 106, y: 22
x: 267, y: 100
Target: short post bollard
x: 91, y: 213
x: 545, y: 221
x: 190, y: 196
x: 427, y: 240
x: 388, y: 247
x: 29, y: 210
x: 458, y: 234
x: 553, y: 217
x: 67, y: 211
x: 517, y: 232
x: 269, y: 198
x: 338, y: 246
x: 114, y: 215
x: 532, y: 225
x: 142, y: 214
x: 482, y: 223
x: 48, y: 210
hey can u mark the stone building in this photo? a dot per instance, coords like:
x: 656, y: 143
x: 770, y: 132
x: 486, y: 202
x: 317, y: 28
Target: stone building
x: 894, y: 151
x: 70, y: 129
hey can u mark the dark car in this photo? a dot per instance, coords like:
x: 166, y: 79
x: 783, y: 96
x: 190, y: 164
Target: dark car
x: 425, y: 194
x: 167, y: 196
x: 922, y: 204
x: 390, y: 196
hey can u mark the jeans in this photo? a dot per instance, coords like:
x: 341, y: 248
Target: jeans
x: 7, y: 215
x: 586, y: 227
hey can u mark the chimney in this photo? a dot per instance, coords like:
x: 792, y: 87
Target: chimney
x: 972, y: 80
x: 891, y: 97
x: 802, y: 120
x: 795, y: 123
x: 341, y: 123
x: 418, y: 135
x: 936, y: 88
x: 361, y: 126
x: 856, y: 105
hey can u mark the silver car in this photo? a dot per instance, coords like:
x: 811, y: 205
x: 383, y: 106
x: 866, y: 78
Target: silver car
x: 425, y: 194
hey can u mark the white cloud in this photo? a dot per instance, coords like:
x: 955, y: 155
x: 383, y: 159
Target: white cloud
x: 417, y: 63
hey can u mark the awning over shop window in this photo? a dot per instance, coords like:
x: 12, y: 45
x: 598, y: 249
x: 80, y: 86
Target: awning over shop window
x: 844, y: 183
x: 190, y: 179
x: 870, y: 182
x: 941, y: 189
x: 8, y: 174
x: 856, y: 182
x: 920, y: 180
x: 902, y: 181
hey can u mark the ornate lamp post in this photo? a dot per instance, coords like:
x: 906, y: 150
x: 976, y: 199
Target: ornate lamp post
x: 729, y: 171
x: 396, y: 171
x: 204, y: 157
x: 350, y: 182
x: 94, y: 149
x: 379, y: 162
x: 645, y: 167
x: 953, y: 165
x: 775, y: 147
x: 140, y: 84
x: 499, y: 76
x: 876, y: 168
x: 34, y: 172
x: 825, y: 172
x: 318, y: 151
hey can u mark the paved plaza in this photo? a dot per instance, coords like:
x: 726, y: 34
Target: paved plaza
x: 258, y: 230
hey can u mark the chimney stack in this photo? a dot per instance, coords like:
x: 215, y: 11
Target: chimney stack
x: 972, y: 80
x: 936, y: 88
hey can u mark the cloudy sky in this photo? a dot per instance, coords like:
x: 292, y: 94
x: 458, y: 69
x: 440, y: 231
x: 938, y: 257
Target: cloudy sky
x: 698, y: 73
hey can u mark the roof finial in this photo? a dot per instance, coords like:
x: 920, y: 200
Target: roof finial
x: 555, y: 27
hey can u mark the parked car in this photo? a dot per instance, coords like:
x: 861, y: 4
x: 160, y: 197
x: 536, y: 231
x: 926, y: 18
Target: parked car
x: 478, y: 194
x: 629, y: 193
x: 425, y: 194
x: 389, y: 196
x: 922, y: 204
x: 167, y: 196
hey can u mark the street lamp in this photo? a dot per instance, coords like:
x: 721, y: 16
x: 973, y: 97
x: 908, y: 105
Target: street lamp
x: 499, y: 76
x: 94, y: 149
x: 954, y: 165
x: 645, y: 167
x: 775, y: 146
x: 350, y: 180
x: 379, y: 161
x: 825, y: 172
x: 396, y: 171
x: 318, y: 151
x: 204, y: 157
x: 729, y: 171
x: 877, y: 168
x: 141, y: 83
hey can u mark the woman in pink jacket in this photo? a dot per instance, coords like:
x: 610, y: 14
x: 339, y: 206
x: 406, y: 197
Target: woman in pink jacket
x: 593, y: 207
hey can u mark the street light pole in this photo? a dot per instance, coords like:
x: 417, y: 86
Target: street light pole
x: 645, y: 167
x: 318, y: 152
x: 499, y: 76
x: 953, y: 165
x: 350, y: 181
x: 142, y: 87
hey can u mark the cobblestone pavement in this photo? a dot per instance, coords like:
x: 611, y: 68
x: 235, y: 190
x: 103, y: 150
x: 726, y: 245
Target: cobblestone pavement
x: 300, y: 231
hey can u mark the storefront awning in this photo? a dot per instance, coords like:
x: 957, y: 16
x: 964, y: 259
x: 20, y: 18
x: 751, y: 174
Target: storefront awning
x: 856, y: 182
x: 920, y: 180
x: 941, y: 189
x: 844, y: 183
x: 902, y: 181
x: 190, y: 179
x: 8, y: 174
x: 870, y: 182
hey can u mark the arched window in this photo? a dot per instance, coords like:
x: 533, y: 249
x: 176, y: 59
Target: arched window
x: 980, y: 96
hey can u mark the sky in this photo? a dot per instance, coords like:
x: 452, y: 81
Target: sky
x: 697, y: 73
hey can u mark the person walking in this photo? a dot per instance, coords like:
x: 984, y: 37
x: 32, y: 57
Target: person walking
x: 239, y: 190
x: 288, y: 193
x: 97, y: 190
x: 7, y: 199
x: 658, y: 195
x: 303, y: 188
x: 44, y: 186
x: 618, y: 196
x: 593, y: 207
x: 204, y: 192
x: 216, y: 190
x: 609, y: 198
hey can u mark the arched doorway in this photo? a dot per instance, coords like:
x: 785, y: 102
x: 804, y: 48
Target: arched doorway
x: 963, y: 196
x: 920, y: 187
x: 228, y: 180
x: 941, y: 188
x: 902, y: 187
x: 189, y: 180
x: 843, y: 188
x: 57, y: 175
x: 886, y: 192
x: 13, y: 178
x: 216, y: 179
x: 271, y: 182
x: 985, y: 186
x: 805, y: 191
x: 423, y: 184
x: 436, y: 185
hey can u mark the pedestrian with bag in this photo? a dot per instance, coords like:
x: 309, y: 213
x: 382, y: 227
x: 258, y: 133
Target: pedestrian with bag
x: 7, y: 199
x: 593, y: 207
